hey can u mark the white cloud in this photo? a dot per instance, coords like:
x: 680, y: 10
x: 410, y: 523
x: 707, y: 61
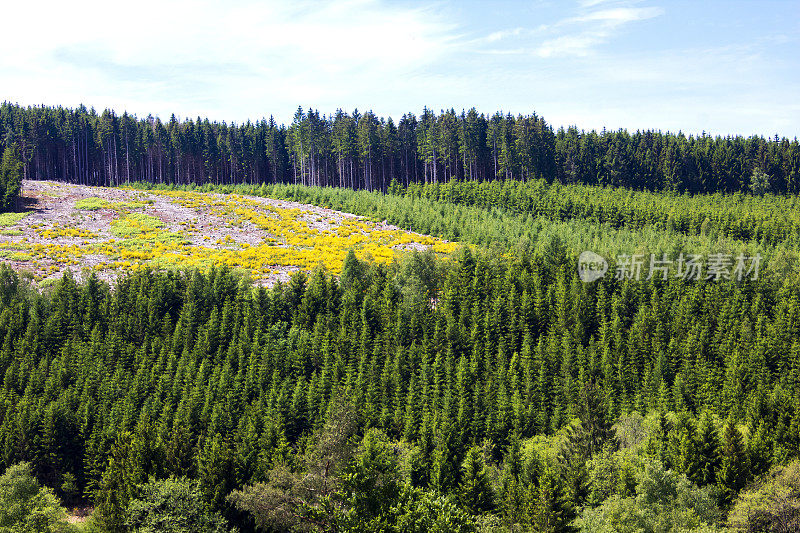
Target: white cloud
x: 733, y: 89
x: 582, y: 34
x: 245, y: 59
x: 503, y: 34
x: 570, y: 45
x: 619, y: 15
x: 206, y: 57
x: 592, y: 3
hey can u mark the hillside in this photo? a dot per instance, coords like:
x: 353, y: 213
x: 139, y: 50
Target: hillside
x: 111, y: 230
x: 496, y: 389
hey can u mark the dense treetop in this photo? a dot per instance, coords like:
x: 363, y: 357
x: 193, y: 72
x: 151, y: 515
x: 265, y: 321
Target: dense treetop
x: 200, y: 375
x: 360, y: 150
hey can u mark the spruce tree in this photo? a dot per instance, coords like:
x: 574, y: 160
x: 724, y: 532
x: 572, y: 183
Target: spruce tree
x: 10, y: 177
x: 548, y: 511
x: 708, y: 451
x: 733, y: 471
x: 475, y: 492
x: 117, y: 487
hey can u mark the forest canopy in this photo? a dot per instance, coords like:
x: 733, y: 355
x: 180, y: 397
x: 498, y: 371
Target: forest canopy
x: 488, y: 390
x: 363, y: 151
x: 485, y: 389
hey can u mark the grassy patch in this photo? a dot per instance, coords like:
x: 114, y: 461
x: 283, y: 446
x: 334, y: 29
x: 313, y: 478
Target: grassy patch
x: 91, y: 204
x: 94, y: 203
x: 135, y: 224
x: 144, y: 243
x: 11, y: 232
x: 47, y: 282
x: 9, y: 219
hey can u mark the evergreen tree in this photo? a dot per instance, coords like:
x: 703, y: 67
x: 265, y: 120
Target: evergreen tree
x: 475, y: 492
x: 548, y: 511
x: 117, y: 487
x: 446, y: 460
x: 708, y: 451
x: 733, y: 471
x: 11, y: 173
x: 214, y: 469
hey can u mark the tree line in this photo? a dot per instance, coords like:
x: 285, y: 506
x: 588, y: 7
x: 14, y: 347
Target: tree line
x: 10, y: 177
x: 498, y: 386
x: 770, y: 220
x: 363, y: 151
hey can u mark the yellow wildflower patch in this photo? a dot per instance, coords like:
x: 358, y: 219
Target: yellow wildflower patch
x: 184, y: 229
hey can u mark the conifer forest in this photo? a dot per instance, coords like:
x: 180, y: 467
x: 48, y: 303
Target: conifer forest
x: 484, y: 386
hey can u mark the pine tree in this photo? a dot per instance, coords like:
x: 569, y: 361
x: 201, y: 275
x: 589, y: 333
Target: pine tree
x: 547, y: 508
x: 512, y: 494
x: 10, y: 177
x: 733, y: 469
x: 760, y: 451
x: 594, y: 418
x: 572, y: 456
x: 475, y: 492
x: 446, y: 460
x: 215, y: 469
x: 117, y: 487
x: 708, y: 451
x: 686, y: 455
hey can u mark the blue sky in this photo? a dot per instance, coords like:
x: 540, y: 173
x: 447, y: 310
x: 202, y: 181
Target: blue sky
x: 726, y: 67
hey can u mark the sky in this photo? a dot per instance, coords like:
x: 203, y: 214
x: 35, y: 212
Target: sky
x: 724, y: 67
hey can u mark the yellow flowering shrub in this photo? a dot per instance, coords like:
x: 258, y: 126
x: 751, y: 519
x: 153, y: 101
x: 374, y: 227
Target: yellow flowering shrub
x: 244, y: 233
x: 135, y: 224
x: 59, y: 231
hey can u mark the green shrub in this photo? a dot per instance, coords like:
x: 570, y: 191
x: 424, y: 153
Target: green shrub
x: 91, y: 204
x: 771, y: 505
x: 25, y: 507
x: 173, y: 505
x: 135, y: 224
x: 94, y: 203
x: 665, y: 501
x: 9, y: 219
